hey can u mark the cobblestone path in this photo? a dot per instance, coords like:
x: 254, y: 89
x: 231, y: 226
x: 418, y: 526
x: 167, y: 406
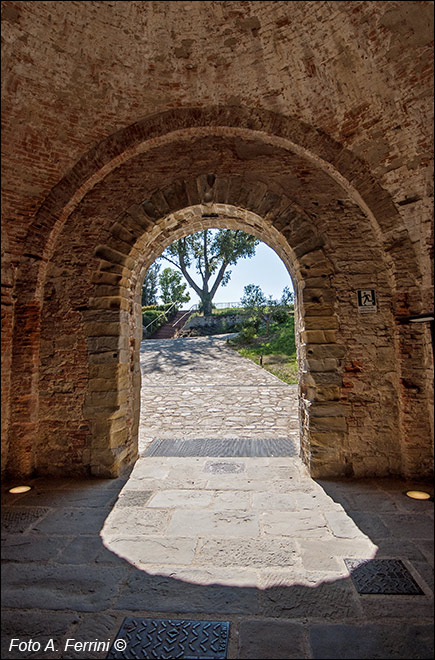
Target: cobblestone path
x: 200, y: 388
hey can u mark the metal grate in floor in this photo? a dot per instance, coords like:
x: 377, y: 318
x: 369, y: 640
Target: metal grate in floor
x: 382, y: 576
x: 218, y: 447
x: 169, y: 638
x: 16, y: 520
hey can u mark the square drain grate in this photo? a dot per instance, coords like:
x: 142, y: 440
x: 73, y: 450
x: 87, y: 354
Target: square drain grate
x: 170, y: 638
x: 16, y: 520
x: 382, y: 576
x: 221, y: 467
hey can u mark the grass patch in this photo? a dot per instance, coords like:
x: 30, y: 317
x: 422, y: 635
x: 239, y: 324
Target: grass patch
x: 278, y: 350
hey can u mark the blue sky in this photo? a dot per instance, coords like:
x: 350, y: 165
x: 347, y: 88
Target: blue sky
x: 265, y: 269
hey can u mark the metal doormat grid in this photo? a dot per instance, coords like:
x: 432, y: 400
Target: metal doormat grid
x: 16, y: 520
x: 170, y: 638
x: 382, y: 576
x: 219, y: 447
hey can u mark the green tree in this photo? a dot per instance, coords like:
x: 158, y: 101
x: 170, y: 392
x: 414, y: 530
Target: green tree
x: 254, y: 301
x: 210, y: 252
x: 287, y: 297
x: 265, y: 309
x: 172, y: 289
x: 150, y: 285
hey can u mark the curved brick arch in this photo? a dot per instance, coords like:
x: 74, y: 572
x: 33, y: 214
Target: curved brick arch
x: 264, y: 133
x: 287, y: 132
x: 256, y: 210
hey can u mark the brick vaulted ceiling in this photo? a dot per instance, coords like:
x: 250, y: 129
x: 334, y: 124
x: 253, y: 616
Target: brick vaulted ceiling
x: 107, y: 105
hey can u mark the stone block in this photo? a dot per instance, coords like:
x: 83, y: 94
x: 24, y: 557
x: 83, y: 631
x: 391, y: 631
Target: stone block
x: 328, y: 409
x: 324, y: 351
x: 41, y: 626
x: 132, y: 521
x: 47, y: 587
x: 266, y: 638
x: 247, y: 552
x: 333, y: 601
x: 322, y: 393
x: 321, y: 365
x: 102, y: 329
x: 164, y: 594
x: 396, y: 640
x: 181, y: 499
x: 317, y: 336
x: 298, y: 524
x: 213, y: 523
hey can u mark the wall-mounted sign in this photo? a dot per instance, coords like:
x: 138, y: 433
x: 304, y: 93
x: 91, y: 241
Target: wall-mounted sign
x: 366, y: 301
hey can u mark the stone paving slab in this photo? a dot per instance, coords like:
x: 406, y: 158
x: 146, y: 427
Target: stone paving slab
x: 155, y: 550
x: 262, y: 547
x: 371, y: 641
x: 297, y: 524
x: 78, y: 588
x: 136, y: 521
x: 181, y: 499
x: 244, y: 552
x: 267, y: 638
x: 32, y: 547
x: 37, y: 625
x: 213, y: 523
x: 335, y: 600
x: 165, y: 594
x: 68, y: 521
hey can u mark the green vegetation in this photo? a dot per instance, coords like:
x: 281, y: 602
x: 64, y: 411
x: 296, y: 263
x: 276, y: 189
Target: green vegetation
x: 153, y: 312
x: 210, y: 251
x: 172, y: 288
x: 277, y: 352
x: 268, y: 336
x: 150, y: 285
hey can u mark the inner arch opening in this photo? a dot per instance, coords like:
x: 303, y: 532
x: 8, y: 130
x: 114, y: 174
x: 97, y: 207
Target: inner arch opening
x: 209, y: 215
x: 199, y: 396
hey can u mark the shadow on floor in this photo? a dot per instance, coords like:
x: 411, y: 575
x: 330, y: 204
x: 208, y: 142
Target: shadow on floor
x: 60, y: 582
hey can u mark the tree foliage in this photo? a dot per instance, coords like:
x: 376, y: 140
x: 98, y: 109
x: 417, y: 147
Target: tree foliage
x: 172, y: 289
x: 262, y: 309
x: 150, y: 285
x: 210, y: 252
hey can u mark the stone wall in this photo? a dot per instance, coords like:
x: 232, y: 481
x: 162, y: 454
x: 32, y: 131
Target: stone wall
x: 130, y: 124
x: 209, y: 325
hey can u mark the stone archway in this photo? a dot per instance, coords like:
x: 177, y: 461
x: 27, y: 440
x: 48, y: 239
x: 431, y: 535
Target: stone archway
x: 317, y: 327
x: 117, y: 209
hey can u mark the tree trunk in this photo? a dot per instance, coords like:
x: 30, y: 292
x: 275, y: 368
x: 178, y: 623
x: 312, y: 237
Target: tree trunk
x: 207, y: 308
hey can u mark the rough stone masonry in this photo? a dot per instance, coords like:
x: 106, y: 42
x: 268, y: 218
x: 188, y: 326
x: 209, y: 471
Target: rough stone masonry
x: 130, y: 124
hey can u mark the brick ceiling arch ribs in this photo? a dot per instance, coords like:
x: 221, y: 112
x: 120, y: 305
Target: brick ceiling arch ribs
x: 254, y: 127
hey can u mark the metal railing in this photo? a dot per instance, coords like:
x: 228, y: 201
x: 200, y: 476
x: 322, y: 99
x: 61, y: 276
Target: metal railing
x: 228, y: 305
x: 194, y: 308
x: 144, y: 328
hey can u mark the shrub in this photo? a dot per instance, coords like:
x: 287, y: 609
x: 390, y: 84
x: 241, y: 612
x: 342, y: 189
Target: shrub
x: 247, y: 334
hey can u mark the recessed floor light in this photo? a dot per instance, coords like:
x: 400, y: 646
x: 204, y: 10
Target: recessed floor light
x: 418, y: 494
x: 20, y: 489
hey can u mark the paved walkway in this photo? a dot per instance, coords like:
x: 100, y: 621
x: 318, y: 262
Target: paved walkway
x: 252, y: 541
x: 200, y: 388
